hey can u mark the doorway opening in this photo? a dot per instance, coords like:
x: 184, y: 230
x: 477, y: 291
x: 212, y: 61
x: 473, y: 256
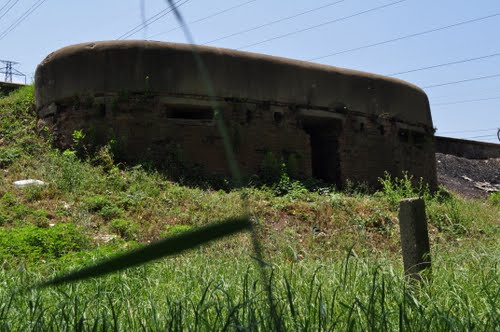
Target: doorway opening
x: 324, y: 140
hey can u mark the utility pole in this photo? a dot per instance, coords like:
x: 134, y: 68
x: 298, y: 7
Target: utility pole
x: 9, y: 71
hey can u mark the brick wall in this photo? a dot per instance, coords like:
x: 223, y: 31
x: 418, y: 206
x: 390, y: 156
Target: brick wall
x: 168, y: 129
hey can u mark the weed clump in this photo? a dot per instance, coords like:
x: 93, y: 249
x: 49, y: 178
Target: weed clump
x: 396, y: 189
x: 494, y: 199
x: 103, y: 206
x: 31, y: 243
x: 126, y: 229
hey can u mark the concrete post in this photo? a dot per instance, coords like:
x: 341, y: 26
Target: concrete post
x: 414, y: 237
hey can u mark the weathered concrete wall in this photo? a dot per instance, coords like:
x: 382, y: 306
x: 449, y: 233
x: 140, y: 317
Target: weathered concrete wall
x: 335, y: 124
x: 169, y: 68
x: 466, y: 148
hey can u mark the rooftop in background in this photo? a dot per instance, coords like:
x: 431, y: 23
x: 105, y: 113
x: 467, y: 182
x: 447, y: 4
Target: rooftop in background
x: 7, y: 87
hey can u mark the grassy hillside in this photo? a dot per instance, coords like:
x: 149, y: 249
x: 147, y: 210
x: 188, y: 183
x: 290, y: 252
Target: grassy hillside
x: 335, y: 256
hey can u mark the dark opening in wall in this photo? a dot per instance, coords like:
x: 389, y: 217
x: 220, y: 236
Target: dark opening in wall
x: 249, y: 116
x: 404, y: 135
x: 418, y: 138
x: 278, y: 117
x: 325, y: 158
x: 102, y: 110
x: 381, y: 129
x: 189, y: 113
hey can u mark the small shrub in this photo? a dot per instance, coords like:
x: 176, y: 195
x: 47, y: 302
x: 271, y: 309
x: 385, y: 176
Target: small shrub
x: 494, y: 198
x: 396, y: 189
x: 3, y: 218
x: 292, y: 165
x: 126, y: 229
x: 40, y: 217
x: 8, y: 156
x: 110, y: 212
x: 270, y: 169
x: 337, y: 200
x: 450, y: 217
x: 104, y: 158
x: 33, y: 243
x: 96, y: 203
x: 20, y: 214
x: 103, y: 206
x: 69, y: 172
x: 442, y: 195
x: 8, y: 199
x: 288, y: 187
x: 34, y: 193
x: 79, y: 143
x: 378, y: 220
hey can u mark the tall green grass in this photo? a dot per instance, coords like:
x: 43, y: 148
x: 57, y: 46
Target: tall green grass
x: 200, y: 293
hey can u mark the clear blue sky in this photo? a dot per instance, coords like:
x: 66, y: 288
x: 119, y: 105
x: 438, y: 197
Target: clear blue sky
x: 58, y: 23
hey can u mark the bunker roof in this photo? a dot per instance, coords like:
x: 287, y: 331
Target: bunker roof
x: 170, y: 68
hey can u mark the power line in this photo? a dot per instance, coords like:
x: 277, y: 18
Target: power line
x: 322, y: 24
x: 467, y: 131
x: 273, y: 22
x: 492, y: 139
x: 481, y: 136
x: 486, y: 140
x: 465, y: 101
x: 21, y: 18
x: 8, y: 9
x: 461, y: 81
x: 206, y: 17
x: 445, y: 64
x: 6, y: 3
x: 146, y: 23
x: 405, y: 37
x: 151, y: 20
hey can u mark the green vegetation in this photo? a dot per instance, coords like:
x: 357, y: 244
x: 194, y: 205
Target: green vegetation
x: 495, y: 198
x: 334, y: 257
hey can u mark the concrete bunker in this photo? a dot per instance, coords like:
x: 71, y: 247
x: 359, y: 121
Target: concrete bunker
x: 330, y: 123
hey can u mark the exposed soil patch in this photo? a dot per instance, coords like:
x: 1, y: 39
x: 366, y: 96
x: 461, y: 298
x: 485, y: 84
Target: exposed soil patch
x: 471, y: 178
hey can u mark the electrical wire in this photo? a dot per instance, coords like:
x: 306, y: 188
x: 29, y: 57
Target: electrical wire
x: 21, y: 18
x: 481, y: 136
x: 145, y: 23
x: 492, y: 139
x: 465, y: 101
x: 322, y: 24
x: 8, y: 9
x: 445, y: 64
x: 5, y: 5
x: 406, y: 37
x: 205, y: 18
x: 461, y: 81
x: 272, y: 22
x: 467, y: 131
x: 152, y: 19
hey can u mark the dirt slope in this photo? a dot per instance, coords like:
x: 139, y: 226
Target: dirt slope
x: 468, y: 177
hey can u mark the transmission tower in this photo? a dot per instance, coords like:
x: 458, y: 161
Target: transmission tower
x: 9, y: 71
